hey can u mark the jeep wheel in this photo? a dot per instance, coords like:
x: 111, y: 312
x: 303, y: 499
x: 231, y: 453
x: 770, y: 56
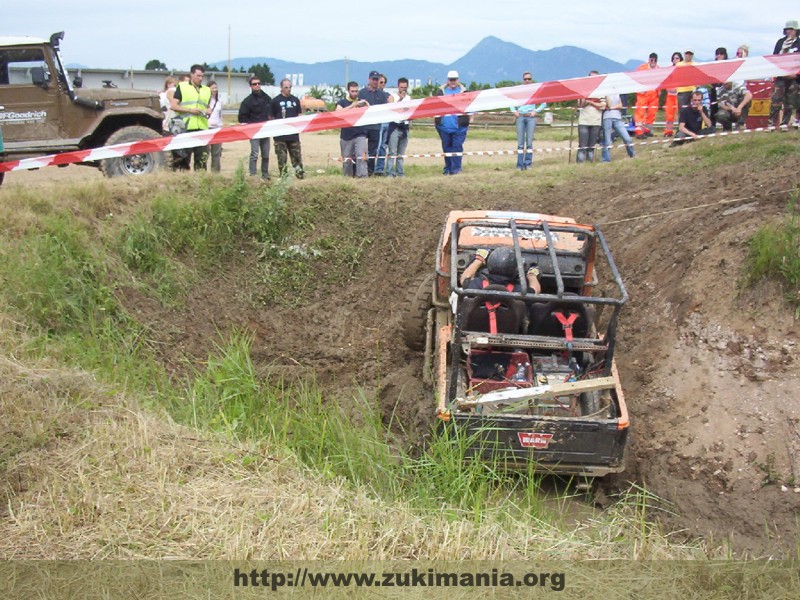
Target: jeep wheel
x: 413, y: 324
x: 135, y: 164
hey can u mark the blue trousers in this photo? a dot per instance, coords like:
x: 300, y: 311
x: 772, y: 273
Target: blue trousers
x: 383, y: 142
x: 525, y: 130
x: 452, y: 141
x: 619, y: 127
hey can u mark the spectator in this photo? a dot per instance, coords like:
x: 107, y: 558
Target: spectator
x: 190, y: 101
x: 733, y: 103
x: 286, y: 106
x: 353, y: 140
x: 646, y: 103
x: 743, y: 51
x: 256, y: 108
x: 215, y: 122
x: 165, y: 99
x: 786, y: 94
x: 374, y: 96
x: 589, y: 123
x: 526, y: 127
x: 692, y: 120
x: 671, y: 103
x: 383, y: 138
x: 612, y: 121
x: 398, y: 135
x: 720, y: 53
x: 685, y: 92
x: 452, y: 129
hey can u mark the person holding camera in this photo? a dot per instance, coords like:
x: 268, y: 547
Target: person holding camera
x: 374, y: 95
x: 190, y: 102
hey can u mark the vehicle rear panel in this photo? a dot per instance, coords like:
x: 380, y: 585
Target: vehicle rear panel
x: 561, y: 446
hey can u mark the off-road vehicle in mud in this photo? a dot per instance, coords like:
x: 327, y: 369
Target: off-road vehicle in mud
x: 44, y: 114
x: 529, y: 378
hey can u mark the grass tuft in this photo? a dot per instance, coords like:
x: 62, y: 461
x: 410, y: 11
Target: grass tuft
x: 774, y: 254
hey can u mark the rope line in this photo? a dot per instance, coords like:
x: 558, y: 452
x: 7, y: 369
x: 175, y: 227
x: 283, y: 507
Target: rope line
x: 688, y: 208
x: 551, y: 150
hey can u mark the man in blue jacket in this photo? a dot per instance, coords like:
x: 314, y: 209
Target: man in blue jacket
x: 452, y: 129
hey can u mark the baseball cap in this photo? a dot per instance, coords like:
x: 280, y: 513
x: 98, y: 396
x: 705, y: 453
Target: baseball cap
x: 374, y: 75
x: 689, y: 52
x: 452, y: 74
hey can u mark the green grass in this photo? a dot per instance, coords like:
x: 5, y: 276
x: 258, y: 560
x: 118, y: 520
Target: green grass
x: 347, y: 441
x: 52, y: 277
x: 774, y: 254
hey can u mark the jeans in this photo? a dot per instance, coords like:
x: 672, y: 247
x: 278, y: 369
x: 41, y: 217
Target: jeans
x: 373, y: 141
x: 452, y: 141
x: 262, y: 145
x: 525, y: 130
x: 587, y: 140
x: 354, y: 163
x: 383, y: 139
x: 216, y: 156
x: 619, y: 127
x: 398, y: 142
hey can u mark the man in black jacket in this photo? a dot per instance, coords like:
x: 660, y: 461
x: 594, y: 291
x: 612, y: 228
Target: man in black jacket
x: 256, y: 109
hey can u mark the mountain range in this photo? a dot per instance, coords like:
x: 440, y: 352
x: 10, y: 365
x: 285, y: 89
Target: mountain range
x: 492, y: 60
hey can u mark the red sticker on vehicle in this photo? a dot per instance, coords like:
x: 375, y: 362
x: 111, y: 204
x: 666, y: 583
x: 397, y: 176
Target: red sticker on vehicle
x: 534, y: 440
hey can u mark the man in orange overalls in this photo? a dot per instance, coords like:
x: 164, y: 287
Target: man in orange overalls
x: 646, y: 103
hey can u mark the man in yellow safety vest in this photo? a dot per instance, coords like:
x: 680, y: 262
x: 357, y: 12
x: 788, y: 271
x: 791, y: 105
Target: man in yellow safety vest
x: 191, y: 102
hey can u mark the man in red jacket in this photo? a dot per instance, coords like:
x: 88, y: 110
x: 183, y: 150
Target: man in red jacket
x: 646, y: 103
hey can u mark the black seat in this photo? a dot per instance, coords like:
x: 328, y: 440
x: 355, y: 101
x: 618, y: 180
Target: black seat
x: 510, y: 314
x: 543, y: 319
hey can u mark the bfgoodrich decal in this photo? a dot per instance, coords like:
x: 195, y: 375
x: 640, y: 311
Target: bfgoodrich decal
x: 31, y: 116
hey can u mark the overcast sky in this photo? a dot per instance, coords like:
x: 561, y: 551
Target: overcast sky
x: 111, y: 34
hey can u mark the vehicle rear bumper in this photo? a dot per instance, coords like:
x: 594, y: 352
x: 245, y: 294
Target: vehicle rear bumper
x: 587, y: 447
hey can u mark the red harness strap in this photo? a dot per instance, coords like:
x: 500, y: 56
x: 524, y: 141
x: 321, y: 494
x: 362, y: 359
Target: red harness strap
x: 491, y: 307
x: 566, y: 323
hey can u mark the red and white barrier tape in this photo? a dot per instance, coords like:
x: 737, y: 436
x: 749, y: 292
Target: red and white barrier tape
x: 467, y: 102
x: 630, y: 107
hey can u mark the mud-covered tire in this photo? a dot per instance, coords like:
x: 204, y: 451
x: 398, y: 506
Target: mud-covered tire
x: 2, y: 176
x: 420, y: 299
x: 135, y: 164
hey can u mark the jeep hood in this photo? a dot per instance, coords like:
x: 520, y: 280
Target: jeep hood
x: 106, y: 94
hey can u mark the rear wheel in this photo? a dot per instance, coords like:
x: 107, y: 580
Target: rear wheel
x: 420, y: 301
x: 135, y: 164
x: 2, y: 176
